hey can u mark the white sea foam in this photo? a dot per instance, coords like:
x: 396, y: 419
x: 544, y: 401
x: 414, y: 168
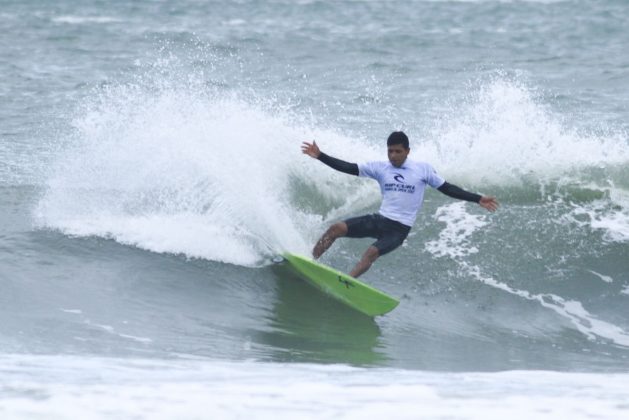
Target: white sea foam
x: 58, y: 387
x: 610, y: 216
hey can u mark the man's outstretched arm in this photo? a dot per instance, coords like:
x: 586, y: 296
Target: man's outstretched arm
x: 487, y: 202
x: 312, y: 150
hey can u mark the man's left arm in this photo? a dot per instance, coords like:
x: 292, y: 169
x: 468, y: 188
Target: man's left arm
x: 451, y: 190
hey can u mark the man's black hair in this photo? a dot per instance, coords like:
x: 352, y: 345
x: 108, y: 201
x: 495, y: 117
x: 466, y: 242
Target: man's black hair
x: 398, y: 137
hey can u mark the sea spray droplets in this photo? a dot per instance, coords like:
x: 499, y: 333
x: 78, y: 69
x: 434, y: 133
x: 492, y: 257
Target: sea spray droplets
x: 168, y: 169
x: 179, y: 176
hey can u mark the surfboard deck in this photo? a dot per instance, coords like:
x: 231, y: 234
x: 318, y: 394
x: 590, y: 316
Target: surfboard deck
x: 346, y: 289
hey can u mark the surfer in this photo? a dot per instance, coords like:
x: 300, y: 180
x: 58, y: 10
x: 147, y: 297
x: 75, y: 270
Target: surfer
x: 402, y: 184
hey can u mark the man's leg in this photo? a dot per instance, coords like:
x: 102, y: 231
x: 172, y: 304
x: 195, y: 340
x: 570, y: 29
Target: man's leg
x: 335, y: 231
x: 365, y: 262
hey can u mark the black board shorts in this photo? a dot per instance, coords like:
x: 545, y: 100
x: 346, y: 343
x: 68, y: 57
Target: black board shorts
x: 389, y: 233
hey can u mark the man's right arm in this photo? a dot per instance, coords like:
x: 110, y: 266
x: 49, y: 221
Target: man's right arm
x: 338, y: 164
x: 312, y: 150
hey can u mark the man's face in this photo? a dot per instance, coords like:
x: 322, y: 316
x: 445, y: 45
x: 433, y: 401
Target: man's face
x: 397, y: 154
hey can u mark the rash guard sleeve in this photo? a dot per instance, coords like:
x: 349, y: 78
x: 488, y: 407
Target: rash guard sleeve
x: 459, y: 193
x: 338, y: 164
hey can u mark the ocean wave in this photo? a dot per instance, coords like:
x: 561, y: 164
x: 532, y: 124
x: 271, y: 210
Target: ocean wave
x: 171, y: 164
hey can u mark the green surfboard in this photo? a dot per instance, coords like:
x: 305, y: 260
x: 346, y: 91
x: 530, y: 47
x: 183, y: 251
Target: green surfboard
x: 342, y: 287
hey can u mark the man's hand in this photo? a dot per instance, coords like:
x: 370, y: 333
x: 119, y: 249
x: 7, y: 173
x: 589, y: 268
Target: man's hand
x: 489, y: 203
x: 311, y: 149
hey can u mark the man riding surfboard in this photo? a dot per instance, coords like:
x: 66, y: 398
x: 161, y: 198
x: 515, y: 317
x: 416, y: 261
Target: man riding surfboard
x: 402, y: 184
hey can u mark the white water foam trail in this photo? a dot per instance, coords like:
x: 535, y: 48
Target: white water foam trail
x: 207, y: 176
x: 585, y: 322
x: 454, y: 242
x: 606, y: 279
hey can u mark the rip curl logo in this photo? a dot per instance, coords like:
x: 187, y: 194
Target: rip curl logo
x: 347, y: 283
x: 399, y: 185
